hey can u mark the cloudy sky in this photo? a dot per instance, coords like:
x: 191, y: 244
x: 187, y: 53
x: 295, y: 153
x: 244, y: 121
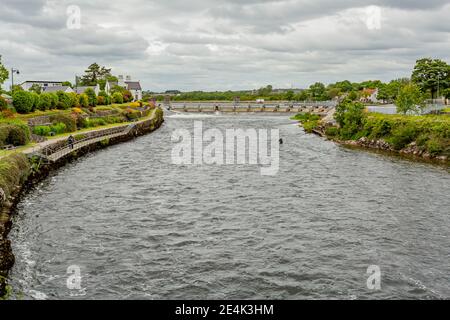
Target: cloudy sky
x: 221, y: 45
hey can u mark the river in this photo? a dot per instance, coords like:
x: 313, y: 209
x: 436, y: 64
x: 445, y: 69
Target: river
x: 135, y: 226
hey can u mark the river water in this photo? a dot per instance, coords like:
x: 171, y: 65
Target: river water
x: 126, y: 223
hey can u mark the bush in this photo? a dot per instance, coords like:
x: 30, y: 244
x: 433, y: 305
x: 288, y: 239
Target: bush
x: 131, y: 114
x: 101, y: 101
x: 42, y: 130
x: 45, y: 101
x: 69, y: 121
x: 3, y: 103
x: 135, y: 105
x: 117, y: 98
x: 402, y: 136
x: 23, y: 101
x: 127, y: 96
x: 64, y: 100
x: 92, y: 97
x: 14, y: 169
x: 331, y: 131
x: 58, y: 128
x: 15, y: 133
x: 74, y: 103
x: 435, y: 146
x: 84, y: 100
x: 55, y: 100
x: 351, y: 117
x: 36, y: 100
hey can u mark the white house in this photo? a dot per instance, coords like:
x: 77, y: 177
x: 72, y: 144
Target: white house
x: 65, y: 89
x: 43, y: 84
x: 82, y: 89
x: 370, y: 95
x: 133, y: 86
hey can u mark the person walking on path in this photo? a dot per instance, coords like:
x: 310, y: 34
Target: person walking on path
x: 71, y: 141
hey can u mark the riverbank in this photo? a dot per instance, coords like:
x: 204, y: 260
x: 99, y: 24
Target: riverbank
x: 416, y: 137
x: 20, y: 171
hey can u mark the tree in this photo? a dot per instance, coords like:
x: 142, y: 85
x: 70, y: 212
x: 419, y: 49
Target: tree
x: 389, y: 92
x: 446, y: 93
x: 410, y: 98
x: 351, y: 117
x: 344, y: 86
x: 36, y: 88
x: 289, y: 95
x: 67, y: 83
x: 64, y: 100
x: 265, y: 91
x: 45, y: 101
x: 431, y: 74
x: 318, y: 91
x: 93, y: 74
x: 22, y: 101
x: 4, y: 74
x: 92, y: 97
x: 303, y: 95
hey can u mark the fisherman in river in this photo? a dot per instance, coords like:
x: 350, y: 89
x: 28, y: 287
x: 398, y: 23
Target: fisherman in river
x: 70, y: 141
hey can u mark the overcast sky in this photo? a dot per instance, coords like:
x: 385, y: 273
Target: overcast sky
x: 221, y: 45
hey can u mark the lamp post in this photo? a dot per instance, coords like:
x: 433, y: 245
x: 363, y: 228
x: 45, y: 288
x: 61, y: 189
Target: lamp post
x: 12, y: 77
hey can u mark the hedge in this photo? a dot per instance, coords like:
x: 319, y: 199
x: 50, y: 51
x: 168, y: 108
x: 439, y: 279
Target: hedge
x: 23, y: 101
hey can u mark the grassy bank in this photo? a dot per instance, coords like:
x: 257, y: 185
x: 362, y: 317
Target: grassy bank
x: 427, y: 135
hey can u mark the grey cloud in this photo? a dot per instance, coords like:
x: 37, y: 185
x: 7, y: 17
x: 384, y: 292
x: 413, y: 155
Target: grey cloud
x: 213, y: 44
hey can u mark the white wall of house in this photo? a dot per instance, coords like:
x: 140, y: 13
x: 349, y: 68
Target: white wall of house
x: 28, y: 84
x: 137, y: 94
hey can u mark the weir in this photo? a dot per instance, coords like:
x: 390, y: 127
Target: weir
x: 318, y: 107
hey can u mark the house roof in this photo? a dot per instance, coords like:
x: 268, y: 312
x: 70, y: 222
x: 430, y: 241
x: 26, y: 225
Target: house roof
x: 133, y: 85
x: 55, y: 88
x: 80, y: 90
x: 41, y: 81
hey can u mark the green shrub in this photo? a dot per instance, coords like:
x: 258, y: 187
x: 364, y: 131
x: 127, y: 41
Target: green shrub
x: 68, y: 120
x: 100, y: 100
x: 132, y: 114
x: 15, y: 133
x: 92, y: 97
x: 402, y: 136
x: 36, y: 100
x: 64, y: 100
x: 309, y: 126
x: 14, y: 169
x: 55, y: 100
x: 59, y: 128
x: 45, y: 101
x: 331, y: 131
x: 74, y: 103
x: 3, y: 103
x: 117, y: 98
x: 84, y: 100
x: 435, y: 145
x: 23, y: 101
x: 42, y: 130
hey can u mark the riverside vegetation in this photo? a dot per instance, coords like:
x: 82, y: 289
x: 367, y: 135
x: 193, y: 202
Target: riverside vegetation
x: 427, y: 136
